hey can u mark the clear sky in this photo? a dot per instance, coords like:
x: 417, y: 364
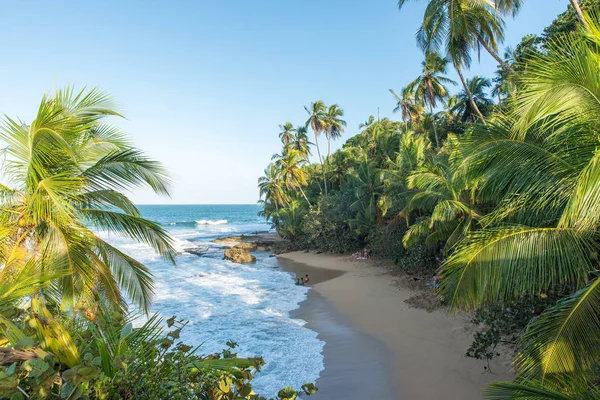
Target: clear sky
x: 205, y: 84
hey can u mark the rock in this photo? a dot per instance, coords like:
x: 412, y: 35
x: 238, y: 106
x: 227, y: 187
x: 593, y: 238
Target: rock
x: 239, y: 255
x: 227, y: 242
x: 199, y: 251
x: 244, y: 246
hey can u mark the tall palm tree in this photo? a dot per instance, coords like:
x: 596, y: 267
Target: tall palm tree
x: 317, y: 116
x: 430, y: 87
x: 477, y: 87
x: 293, y: 176
x: 67, y: 171
x: 287, y: 134
x: 408, y: 107
x: 461, y: 26
x: 467, y: 24
x: 334, y: 125
x: 301, y: 143
x: 467, y: 90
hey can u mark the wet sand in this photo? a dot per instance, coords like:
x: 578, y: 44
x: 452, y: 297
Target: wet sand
x: 375, y: 340
x: 347, y: 352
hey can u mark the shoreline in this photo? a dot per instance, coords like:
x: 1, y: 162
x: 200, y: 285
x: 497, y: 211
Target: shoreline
x: 425, y: 351
x: 347, y: 352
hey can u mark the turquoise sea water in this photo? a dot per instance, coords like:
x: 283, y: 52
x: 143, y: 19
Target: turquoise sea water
x: 249, y: 304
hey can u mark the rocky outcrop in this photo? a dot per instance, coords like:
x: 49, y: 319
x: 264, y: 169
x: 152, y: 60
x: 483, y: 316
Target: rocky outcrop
x: 198, y: 251
x: 240, y: 254
x: 263, y: 241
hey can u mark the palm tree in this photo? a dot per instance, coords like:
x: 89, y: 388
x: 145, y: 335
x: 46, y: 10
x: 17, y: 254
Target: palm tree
x: 317, y: 121
x: 461, y: 26
x: 293, y: 176
x: 334, y: 125
x: 512, y: 7
x: 290, y: 220
x: 408, y: 107
x: 541, y: 167
x: 467, y: 90
x: 412, y: 151
x: 67, y: 171
x: 449, y: 200
x: 301, y: 144
x: 368, y: 189
x: 429, y: 87
x: 271, y: 187
x: 477, y: 87
x: 287, y: 133
x: 464, y: 25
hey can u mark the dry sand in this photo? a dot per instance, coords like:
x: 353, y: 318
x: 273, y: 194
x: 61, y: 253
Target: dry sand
x: 425, y: 351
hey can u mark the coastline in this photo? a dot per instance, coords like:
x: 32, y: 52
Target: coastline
x: 356, y: 365
x: 424, y: 352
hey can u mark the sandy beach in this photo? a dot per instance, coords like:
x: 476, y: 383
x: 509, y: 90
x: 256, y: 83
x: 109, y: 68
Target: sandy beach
x: 407, y: 353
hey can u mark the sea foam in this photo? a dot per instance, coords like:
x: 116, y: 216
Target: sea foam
x: 211, y: 222
x: 248, y: 304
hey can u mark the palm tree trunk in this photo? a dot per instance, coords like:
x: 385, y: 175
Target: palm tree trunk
x: 471, y: 100
x: 495, y: 55
x: 303, y: 194
x: 321, y: 161
x: 437, y: 141
x: 579, y: 13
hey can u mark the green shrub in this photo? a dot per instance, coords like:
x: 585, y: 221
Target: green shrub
x: 326, y: 227
x: 385, y: 242
x: 117, y: 361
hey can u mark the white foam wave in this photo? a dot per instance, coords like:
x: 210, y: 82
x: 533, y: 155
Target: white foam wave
x: 211, y: 222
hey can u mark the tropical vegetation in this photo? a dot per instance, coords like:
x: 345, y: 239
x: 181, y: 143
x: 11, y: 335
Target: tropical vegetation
x: 493, y: 186
x: 74, y: 309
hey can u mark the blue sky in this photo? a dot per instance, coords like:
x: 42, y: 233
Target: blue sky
x: 205, y: 84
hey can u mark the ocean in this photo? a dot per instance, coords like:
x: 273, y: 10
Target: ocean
x: 248, y: 304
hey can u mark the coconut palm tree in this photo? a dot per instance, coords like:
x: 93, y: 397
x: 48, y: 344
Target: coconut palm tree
x: 429, y: 88
x: 334, y: 125
x: 67, y: 171
x: 408, y: 106
x: 293, y: 176
x: 477, y: 87
x: 301, y: 144
x: 271, y: 187
x: 461, y: 26
x: 464, y: 24
x: 541, y: 166
x: 287, y: 134
x: 317, y: 121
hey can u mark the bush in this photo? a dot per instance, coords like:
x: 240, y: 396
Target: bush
x: 505, y: 324
x: 104, y: 357
x: 385, y: 242
x: 326, y: 227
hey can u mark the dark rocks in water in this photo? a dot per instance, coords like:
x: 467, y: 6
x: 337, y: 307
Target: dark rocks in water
x: 240, y: 254
x: 198, y: 251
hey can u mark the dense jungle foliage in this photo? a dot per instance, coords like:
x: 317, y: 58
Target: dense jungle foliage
x: 494, y: 186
